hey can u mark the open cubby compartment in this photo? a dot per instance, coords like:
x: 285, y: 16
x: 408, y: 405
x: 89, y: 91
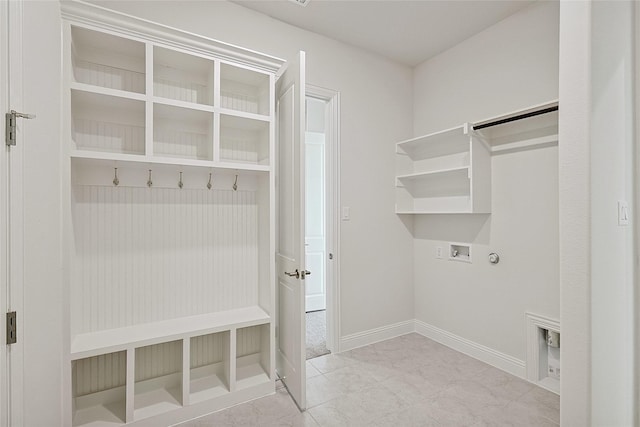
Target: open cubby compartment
x: 244, y: 90
x: 109, y: 61
x: 253, y: 356
x: 107, y: 123
x: 244, y: 140
x: 158, y: 379
x: 99, y: 390
x: 446, y: 191
x: 210, y: 365
x: 182, y: 77
x: 182, y: 132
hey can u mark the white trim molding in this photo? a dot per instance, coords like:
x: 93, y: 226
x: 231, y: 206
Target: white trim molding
x: 360, y: 339
x: 332, y: 99
x: 480, y: 352
x: 85, y: 14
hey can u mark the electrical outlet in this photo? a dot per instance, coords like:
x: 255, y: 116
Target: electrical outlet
x: 439, y: 252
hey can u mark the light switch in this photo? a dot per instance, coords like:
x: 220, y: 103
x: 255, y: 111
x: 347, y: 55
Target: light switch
x: 346, y: 213
x: 623, y: 212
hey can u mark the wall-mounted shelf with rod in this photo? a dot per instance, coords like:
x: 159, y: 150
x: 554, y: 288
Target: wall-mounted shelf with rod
x: 450, y: 171
x: 532, y: 127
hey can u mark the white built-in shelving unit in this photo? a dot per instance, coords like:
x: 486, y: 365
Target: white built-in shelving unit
x: 449, y: 172
x: 169, y: 154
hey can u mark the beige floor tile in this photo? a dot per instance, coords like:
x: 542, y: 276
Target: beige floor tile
x: 351, y: 379
x: 414, y: 416
x: 321, y: 390
x: 331, y: 362
x: 311, y: 370
x: 544, y: 402
x: 358, y: 408
x: 303, y: 419
x: 516, y: 414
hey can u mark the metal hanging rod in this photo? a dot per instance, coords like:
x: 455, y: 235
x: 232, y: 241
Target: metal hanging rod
x: 518, y: 117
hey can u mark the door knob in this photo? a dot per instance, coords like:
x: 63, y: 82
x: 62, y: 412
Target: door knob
x: 305, y: 273
x: 295, y: 274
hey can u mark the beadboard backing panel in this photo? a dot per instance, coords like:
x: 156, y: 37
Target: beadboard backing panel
x: 111, y: 137
x: 158, y: 360
x: 99, y: 373
x: 143, y: 255
x: 249, y: 341
x: 208, y: 349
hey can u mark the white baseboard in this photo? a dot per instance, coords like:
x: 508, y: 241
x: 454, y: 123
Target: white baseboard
x: 360, y: 339
x: 477, y: 351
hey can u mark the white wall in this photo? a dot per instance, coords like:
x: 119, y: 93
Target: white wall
x: 612, y: 140
x: 596, y: 157
x: 509, y: 66
x: 574, y: 154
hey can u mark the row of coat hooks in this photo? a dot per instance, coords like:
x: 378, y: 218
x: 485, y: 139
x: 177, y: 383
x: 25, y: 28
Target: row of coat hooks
x: 209, y: 185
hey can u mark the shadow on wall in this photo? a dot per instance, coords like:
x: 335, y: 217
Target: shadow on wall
x: 471, y: 228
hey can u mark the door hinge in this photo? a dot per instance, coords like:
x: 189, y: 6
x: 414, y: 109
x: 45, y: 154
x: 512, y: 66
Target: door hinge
x: 12, y: 328
x: 11, y: 127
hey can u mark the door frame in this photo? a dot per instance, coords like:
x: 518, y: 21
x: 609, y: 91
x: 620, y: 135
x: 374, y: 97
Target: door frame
x: 332, y: 237
x: 636, y: 219
x: 11, y: 214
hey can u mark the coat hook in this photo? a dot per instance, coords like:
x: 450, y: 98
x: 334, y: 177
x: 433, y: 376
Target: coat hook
x: 209, y: 185
x: 235, y: 184
x: 149, y: 182
x: 180, y: 184
x: 116, y: 181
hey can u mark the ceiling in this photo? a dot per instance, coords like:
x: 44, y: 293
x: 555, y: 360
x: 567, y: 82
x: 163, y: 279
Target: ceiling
x: 408, y: 32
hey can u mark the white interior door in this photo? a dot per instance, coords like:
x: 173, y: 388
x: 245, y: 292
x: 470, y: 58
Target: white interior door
x: 11, y: 214
x: 4, y: 166
x: 290, y: 254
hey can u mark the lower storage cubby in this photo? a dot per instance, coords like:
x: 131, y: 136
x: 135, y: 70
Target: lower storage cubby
x: 253, y: 357
x: 99, y: 391
x: 158, y: 379
x: 210, y: 366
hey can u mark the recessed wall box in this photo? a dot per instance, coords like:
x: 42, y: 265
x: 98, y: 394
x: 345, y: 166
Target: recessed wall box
x: 460, y: 252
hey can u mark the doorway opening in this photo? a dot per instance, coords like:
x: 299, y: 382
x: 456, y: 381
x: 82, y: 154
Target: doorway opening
x: 320, y: 194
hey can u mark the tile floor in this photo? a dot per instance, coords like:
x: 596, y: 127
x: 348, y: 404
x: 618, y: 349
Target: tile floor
x: 406, y: 381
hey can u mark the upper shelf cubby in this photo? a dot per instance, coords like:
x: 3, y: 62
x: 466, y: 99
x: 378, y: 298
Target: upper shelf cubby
x: 182, y: 77
x: 107, y: 123
x: 244, y: 90
x: 108, y: 61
